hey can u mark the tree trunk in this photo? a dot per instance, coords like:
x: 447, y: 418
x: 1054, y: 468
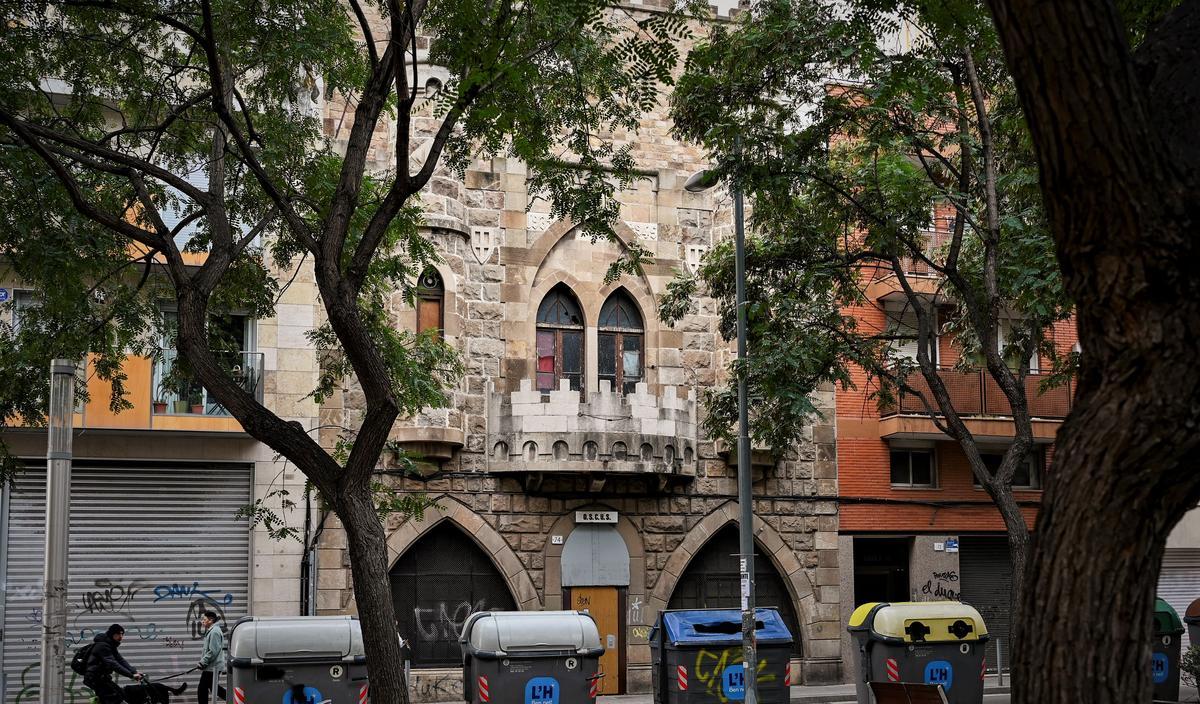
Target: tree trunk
x: 1120, y: 200
x: 373, y: 594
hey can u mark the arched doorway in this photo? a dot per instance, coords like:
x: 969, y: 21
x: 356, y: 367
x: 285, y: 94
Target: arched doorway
x: 712, y: 581
x: 595, y: 578
x: 436, y: 584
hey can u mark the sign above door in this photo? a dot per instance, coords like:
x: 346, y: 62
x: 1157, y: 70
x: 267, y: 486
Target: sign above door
x: 595, y: 516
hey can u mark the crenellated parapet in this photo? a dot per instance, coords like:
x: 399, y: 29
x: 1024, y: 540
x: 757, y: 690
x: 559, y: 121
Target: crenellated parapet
x: 601, y: 434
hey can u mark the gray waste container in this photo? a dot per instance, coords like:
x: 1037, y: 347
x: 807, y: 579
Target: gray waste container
x: 1164, y: 661
x: 297, y: 660
x: 696, y: 657
x: 531, y: 657
x: 932, y: 642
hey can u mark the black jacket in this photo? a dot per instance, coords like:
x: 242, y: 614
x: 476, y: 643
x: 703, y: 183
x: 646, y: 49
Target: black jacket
x: 105, y: 659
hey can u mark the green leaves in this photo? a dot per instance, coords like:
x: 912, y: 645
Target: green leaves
x: 853, y: 131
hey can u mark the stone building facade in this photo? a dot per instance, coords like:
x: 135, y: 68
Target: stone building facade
x: 570, y: 469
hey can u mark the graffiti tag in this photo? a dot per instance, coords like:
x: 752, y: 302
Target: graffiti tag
x: 188, y: 591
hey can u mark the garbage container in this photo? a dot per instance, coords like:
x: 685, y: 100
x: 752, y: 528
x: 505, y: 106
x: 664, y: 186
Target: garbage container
x: 297, y: 660
x: 932, y: 642
x: 1164, y: 663
x: 696, y: 657
x: 1192, y: 618
x: 531, y: 657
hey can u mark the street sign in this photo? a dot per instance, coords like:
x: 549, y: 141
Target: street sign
x: 951, y: 546
x: 595, y: 516
x: 3, y: 295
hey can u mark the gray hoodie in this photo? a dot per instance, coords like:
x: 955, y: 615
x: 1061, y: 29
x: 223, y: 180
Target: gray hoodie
x: 213, y: 659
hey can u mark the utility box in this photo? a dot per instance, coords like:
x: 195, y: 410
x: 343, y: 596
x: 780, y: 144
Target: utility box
x: 696, y: 657
x: 531, y: 657
x: 931, y: 643
x: 1166, y: 643
x: 297, y: 660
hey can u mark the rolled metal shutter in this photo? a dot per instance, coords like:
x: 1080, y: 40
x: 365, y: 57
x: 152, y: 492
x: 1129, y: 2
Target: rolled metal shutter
x: 1179, y: 581
x: 986, y: 577
x: 151, y: 547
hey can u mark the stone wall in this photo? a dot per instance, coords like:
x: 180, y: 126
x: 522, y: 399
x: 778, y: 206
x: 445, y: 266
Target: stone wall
x: 502, y: 253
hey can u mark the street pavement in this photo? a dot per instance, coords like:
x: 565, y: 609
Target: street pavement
x: 994, y: 693
x: 844, y: 694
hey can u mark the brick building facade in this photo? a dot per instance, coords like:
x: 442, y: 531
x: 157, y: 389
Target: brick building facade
x: 913, y: 524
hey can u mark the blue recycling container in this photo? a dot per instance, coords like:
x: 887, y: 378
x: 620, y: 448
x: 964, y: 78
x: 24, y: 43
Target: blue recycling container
x: 696, y: 657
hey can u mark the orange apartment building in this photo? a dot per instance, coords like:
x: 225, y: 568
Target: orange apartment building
x: 914, y: 526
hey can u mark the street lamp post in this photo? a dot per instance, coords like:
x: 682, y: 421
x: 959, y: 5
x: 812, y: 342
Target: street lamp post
x: 58, y: 507
x: 702, y: 181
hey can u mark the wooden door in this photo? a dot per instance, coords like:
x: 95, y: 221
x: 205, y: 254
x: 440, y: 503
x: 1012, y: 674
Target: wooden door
x: 604, y: 605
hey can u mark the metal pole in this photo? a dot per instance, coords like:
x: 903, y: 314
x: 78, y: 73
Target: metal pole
x: 58, y: 506
x: 745, y: 480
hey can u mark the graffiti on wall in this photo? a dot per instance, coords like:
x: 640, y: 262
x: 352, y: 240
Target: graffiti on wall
x: 189, y: 591
x: 942, y: 585
x: 436, y: 687
x: 444, y: 620
x: 109, y: 597
x: 116, y: 600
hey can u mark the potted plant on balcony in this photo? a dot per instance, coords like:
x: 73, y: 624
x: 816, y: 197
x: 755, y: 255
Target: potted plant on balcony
x: 196, y: 400
x: 160, y: 407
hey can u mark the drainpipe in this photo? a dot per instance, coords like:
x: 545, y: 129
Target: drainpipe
x: 306, y: 559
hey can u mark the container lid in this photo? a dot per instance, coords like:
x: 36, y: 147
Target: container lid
x: 720, y: 627
x: 1166, y: 621
x: 296, y: 638
x: 919, y: 622
x: 516, y: 632
x: 1192, y: 615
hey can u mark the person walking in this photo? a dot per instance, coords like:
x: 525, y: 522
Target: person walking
x: 103, y: 661
x: 212, y: 662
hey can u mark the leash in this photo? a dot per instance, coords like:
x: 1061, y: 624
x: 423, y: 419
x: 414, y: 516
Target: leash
x: 177, y: 674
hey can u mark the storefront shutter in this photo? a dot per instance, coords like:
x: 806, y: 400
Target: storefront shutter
x: 986, y: 578
x: 151, y: 547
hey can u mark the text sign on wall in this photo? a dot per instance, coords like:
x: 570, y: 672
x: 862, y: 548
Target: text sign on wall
x: 595, y: 516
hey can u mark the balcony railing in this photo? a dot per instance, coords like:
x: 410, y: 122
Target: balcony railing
x: 179, y: 397
x: 976, y: 393
x: 933, y: 242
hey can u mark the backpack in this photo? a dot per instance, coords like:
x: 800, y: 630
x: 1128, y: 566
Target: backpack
x: 79, y: 663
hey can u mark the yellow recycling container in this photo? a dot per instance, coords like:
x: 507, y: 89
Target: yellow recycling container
x: 930, y: 642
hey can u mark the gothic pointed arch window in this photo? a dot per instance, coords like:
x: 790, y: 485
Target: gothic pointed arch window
x: 559, y: 340
x: 621, y: 342
x: 431, y: 302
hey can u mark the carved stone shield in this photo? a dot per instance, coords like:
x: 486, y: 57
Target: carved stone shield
x: 484, y: 241
x: 693, y: 253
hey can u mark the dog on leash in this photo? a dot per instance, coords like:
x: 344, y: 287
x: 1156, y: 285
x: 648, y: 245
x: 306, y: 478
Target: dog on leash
x: 151, y: 693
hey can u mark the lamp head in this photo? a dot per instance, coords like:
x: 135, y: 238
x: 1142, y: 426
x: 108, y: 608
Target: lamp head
x: 701, y: 181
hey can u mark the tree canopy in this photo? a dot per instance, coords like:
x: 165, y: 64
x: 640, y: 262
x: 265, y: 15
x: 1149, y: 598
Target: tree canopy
x: 882, y: 147
x: 176, y: 151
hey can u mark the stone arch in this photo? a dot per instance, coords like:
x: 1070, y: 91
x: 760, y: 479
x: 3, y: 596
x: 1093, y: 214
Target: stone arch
x: 541, y: 288
x: 647, y: 305
x: 406, y: 315
x: 799, y: 587
x: 545, y: 242
x: 642, y: 297
x: 633, y: 542
x: 489, y: 540
x: 640, y: 290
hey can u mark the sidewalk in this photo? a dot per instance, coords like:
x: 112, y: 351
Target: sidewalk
x: 840, y: 693
x: 825, y: 694
x: 844, y: 694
